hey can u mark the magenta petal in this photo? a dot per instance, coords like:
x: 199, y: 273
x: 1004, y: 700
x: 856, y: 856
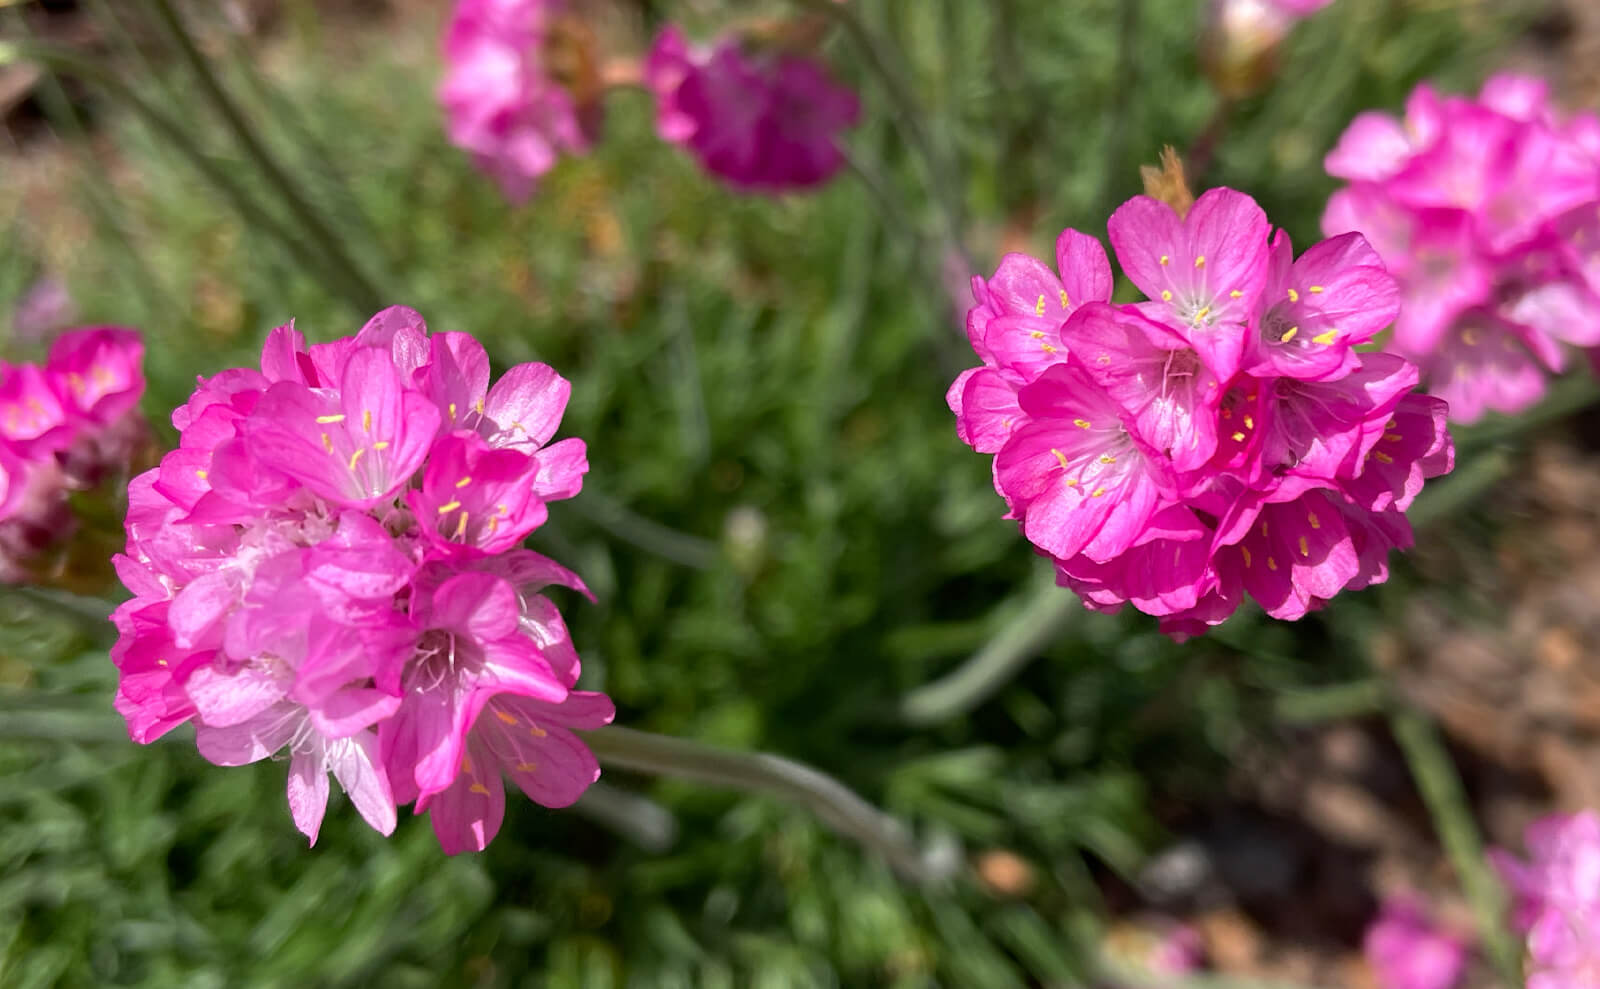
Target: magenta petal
x: 251, y: 741
x: 1373, y: 148
x: 524, y: 408
x: 223, y: 699
x: 468, y: 815
x: 355, y: 764
x: 1085, y: 270
x: 988, y: 411
x: 308, y: 794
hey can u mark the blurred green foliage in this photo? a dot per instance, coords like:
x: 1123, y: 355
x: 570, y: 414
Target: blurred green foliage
x: 764, y: 378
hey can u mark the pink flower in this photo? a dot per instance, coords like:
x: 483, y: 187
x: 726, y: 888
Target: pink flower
x: 1240, y: 40
x: 69, y: 425
x: 502, y: 104
x: 764, y: 123
x: 1407, y: 951
x: 1222, y: 438
x: 1483, y: 210
x: 1557, y: 894
x: 46, y: 307
x: 328, y: 566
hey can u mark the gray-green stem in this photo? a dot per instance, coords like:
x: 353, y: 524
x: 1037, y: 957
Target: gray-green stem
x: 358, y: 289
x: 831, y: 801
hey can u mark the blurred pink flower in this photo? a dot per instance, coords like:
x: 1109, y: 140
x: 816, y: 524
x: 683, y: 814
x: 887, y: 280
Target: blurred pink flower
x: 1485, y: 211
x: 764, y: 122
x: 501, y: 102
x: 45, y: 308
x: 328, y: 565
x: 1224, y: 437
x: 1557, y: 899
x: 1407, y: 951
x: 1240, y: 39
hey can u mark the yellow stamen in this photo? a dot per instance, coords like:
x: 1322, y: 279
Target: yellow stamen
x: 1294, y: 296
x: 1311, y: 517
x: 1315, y: 290
x: 1393, y: 437
x: 355, y: 457
x: 1383, y: 457
x: 478, y: 406
x: 1200, y: 262
x: 1047, y: 348
x: 1072, y: 482
x: 507, y: 717
x: 1325, y: 338
x: 1066, y: 300
x: 1235, y: 294
x: 1245, y: 552
x: 452, y: 412
x: 1272, y: 564
x: 1097, y: 492
x: 327, y: 444
x: 1238, y: 437
x: 461, y: 527
x: 202, y: 475
x: 1289, y: 334
x: 1038, y: 307
x: 479, y: 788
x: 1061, y: 458
x: 464, y: 481
x: 1165, y: 259
x: 366, y: 420
x: 1304, y: 549
x: 329, y: 419
x: 1201, y: 315
x: 527, y: 767
x: 381, y: 445
x: 466, y: 764
x: 1469, y: 336
x: 1106, y: 458
x: 1081, y: 423
x: 446, y: 509
x: 1249, y: 422
x: 1166, y: 296
x: 1037, y: 334
x: 536, y: 731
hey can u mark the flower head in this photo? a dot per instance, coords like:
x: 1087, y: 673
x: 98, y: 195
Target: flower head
x: 503, y: 102
x: 328, y: 566
x: 71, y: 424
x: 1222, y: 438
x: 1407, y: 951
x: 1557, y: 896
x: 1239, y: 45
x: 1484, y: 210
x: 762, y: 121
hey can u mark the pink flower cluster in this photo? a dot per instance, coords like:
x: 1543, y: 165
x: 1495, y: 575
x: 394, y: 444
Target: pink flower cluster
x: 1488, y: 213
x: 502, y: 104
x: 1406, y: 950
x: 66, y: 426
x: 1223, y: 437
x: 764, y: 123
x: 328, y: 567
x: 1557, y: 900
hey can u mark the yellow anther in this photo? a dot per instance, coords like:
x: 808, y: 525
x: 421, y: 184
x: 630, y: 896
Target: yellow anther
x: 366, y: 420
x: 1037, y: 334
x: 502, y: 509
x: 329, y: 419
x: 1165, y: 259
x: 452, y: 412
x: 1066, y: 300
x: 1103, y: 359
x: 1047, y: 348
x: 1097, y: 492
x: 508, y: 718
x: 356, y: 457
x: 449, y: 507
x: 1235, y: 294
x: 1038, y: 307
x: 161, y: 662
x: 494, y: 523
x: 466, y: 764
x: 1238, y: 437
x: 1289, y: 334
x: 527, y: 767
x: 1263, y: 527
x: 536, y: 731
x: 1383, y: 457
x: 381, y: 445
x: 464, y: 481
x: 327, y: 444
x: 1061, y: 458
x: 1200, y: 316
x: 478, y: 406
x: 461, y: 527
x: 1072, y: 482
x: 1272, y: 564
x: 1200, y: 262
x: 202, y: 475
x: 479, y: 788
x: 1294, y: 296
x: 1469, y: 336
x: 1311, y: 517
x: 1081, y: 423
x: 1166, y: 296
x: 1244, y: 551
x: 1304, y: 549
x: 1315, y: 289
x: 1249, y: 422
x: 1393, y: 437
x: 1106, y: 458
x: 1325, y: 338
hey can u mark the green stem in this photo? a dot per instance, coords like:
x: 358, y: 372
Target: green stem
x: 909, y: 116
x: 1446, y: 800
x: 1026, y: 629
x: 1568, y: 395
x: 833, y: 803
x: 652, y: 537
x: 639, y: 819
x: 357, y: 289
